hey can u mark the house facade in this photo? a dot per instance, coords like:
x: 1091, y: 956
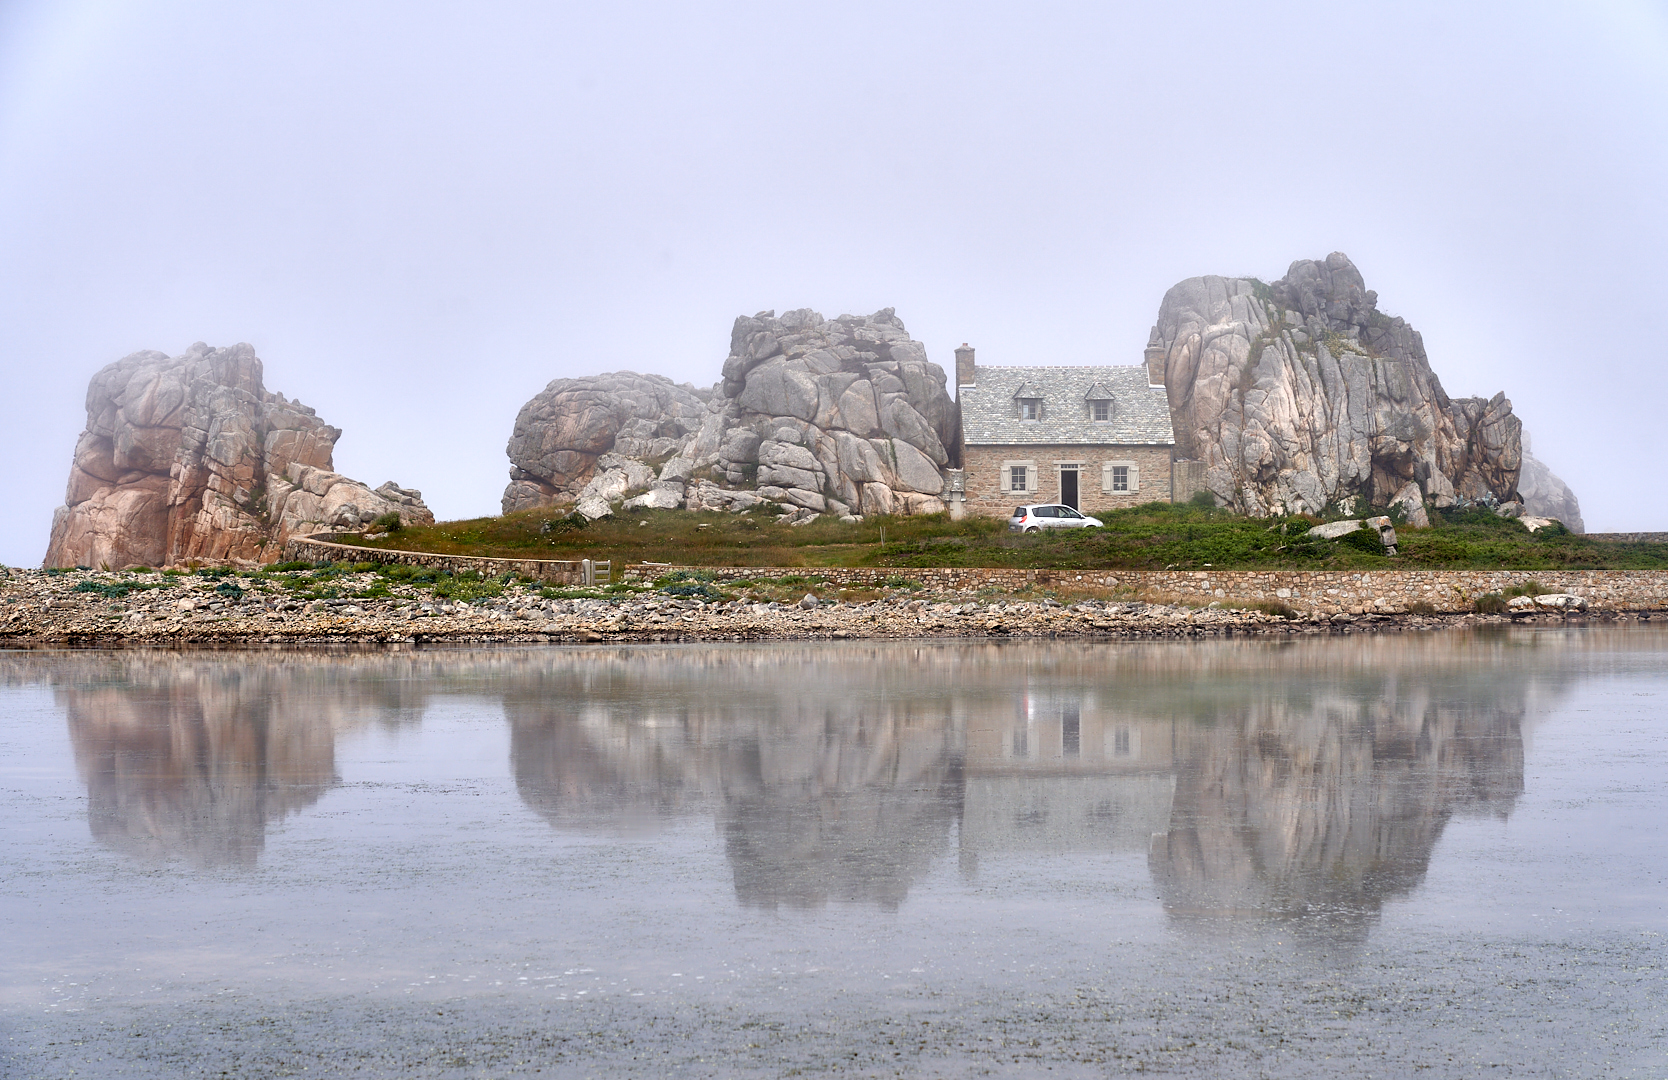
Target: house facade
x: 1093, y: 438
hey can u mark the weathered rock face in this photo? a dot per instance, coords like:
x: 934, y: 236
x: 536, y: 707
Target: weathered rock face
x: 819, y: 415
x: 1544, y: 495
x: 190, y: 457
x: 1301, y: 392
x: 561, y: 433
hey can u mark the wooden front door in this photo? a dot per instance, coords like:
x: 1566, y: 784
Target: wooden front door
x: 1068, y: 486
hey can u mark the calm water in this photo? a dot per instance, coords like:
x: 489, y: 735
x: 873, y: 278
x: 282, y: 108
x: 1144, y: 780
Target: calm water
x: 1375, y: 856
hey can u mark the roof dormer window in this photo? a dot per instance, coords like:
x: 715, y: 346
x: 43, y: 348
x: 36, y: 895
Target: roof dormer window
x: 1028, y: 401
x: 1098, y: 399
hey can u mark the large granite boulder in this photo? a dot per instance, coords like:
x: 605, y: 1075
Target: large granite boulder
x: 821, y: 415
x: 1302, y: 392
x: 190, y: 457
x: 1544, y: 495
x: 562, y: 432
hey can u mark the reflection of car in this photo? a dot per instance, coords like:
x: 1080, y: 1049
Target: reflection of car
x: 1049, y: 516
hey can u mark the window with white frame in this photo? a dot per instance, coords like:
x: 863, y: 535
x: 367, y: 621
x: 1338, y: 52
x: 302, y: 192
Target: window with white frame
x: 1030, y: 408
x: 1120, y: 478
x: 1100, y: 410
x: 1017, y: 478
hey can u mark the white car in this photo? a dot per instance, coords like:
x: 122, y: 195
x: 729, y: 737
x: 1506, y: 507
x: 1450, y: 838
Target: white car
x: 1049, y: 516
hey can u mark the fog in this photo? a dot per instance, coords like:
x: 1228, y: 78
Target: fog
x: 419, y: 215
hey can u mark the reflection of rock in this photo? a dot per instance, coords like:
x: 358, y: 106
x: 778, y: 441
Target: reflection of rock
x: 1319, y: 809
x: 845, y: 799
x: 837, y: 803
x: 187, y: 756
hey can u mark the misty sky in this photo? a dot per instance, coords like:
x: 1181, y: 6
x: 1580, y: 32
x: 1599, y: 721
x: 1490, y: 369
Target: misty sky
x: 420, y: 214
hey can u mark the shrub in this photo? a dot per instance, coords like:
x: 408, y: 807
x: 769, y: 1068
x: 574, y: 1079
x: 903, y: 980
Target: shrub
x: 692, y: 588
x: 1202, y: 500
x: 289, y: 567
x: 115, y: 590
x: 564, y: 524
x: 1276, y: 608
x: 1364, y: 540
x: 1526, y: 588
x: 1421, y: 607
x: 389, y: 522
x: 229, y: 589
x: 1490, y: 604
x: 677, y: 576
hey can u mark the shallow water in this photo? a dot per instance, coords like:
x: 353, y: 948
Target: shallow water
x: 1439, y: 853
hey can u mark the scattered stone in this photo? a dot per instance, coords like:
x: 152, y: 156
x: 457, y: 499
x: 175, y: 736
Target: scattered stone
x: 1560, y: 602
x: 1331, y: 530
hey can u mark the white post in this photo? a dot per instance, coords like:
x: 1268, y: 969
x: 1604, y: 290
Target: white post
x: 590, y: 570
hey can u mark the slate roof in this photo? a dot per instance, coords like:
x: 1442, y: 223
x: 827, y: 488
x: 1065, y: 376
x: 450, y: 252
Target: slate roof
x: 1140, y: 413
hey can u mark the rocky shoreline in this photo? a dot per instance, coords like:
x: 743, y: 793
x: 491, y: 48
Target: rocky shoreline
x: 103, y: 609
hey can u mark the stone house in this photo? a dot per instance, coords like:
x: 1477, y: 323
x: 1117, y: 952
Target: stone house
x: 1094, y: 438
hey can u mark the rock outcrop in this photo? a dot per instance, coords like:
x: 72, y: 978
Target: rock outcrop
x: 1302, y: 392
x: 814, y: 415
x: 1544, y: 495
x: 190, y: 457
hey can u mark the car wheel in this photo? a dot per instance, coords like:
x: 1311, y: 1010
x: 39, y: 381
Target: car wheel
x: 1091, y: 526
x: 1031, y: 528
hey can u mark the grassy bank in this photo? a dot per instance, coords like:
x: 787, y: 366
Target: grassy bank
x: 1151, y: 537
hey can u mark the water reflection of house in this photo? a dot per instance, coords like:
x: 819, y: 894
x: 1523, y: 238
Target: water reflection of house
x: 1066, y: 773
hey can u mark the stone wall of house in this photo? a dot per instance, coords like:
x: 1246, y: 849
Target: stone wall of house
x: 988, y: 494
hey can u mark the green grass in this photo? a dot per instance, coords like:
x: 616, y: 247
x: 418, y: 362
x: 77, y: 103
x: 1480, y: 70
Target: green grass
x: 1156, y: 536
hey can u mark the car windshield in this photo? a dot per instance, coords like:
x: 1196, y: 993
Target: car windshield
x: 1068, y: 512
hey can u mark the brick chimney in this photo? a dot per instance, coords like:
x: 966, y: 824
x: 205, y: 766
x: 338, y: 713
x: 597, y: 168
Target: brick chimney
x: 966, y: 371
x: 1156, y: 363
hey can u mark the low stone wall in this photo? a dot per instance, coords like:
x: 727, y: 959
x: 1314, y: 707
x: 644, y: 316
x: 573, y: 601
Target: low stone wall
x: 315, y: 548
x: 1630, y: 538
x: 1330, y: 592
x: 1326, y: 591
x: 1393, y: 590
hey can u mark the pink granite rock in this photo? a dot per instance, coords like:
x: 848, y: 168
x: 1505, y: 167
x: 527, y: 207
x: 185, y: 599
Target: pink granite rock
x: 190, y: 457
